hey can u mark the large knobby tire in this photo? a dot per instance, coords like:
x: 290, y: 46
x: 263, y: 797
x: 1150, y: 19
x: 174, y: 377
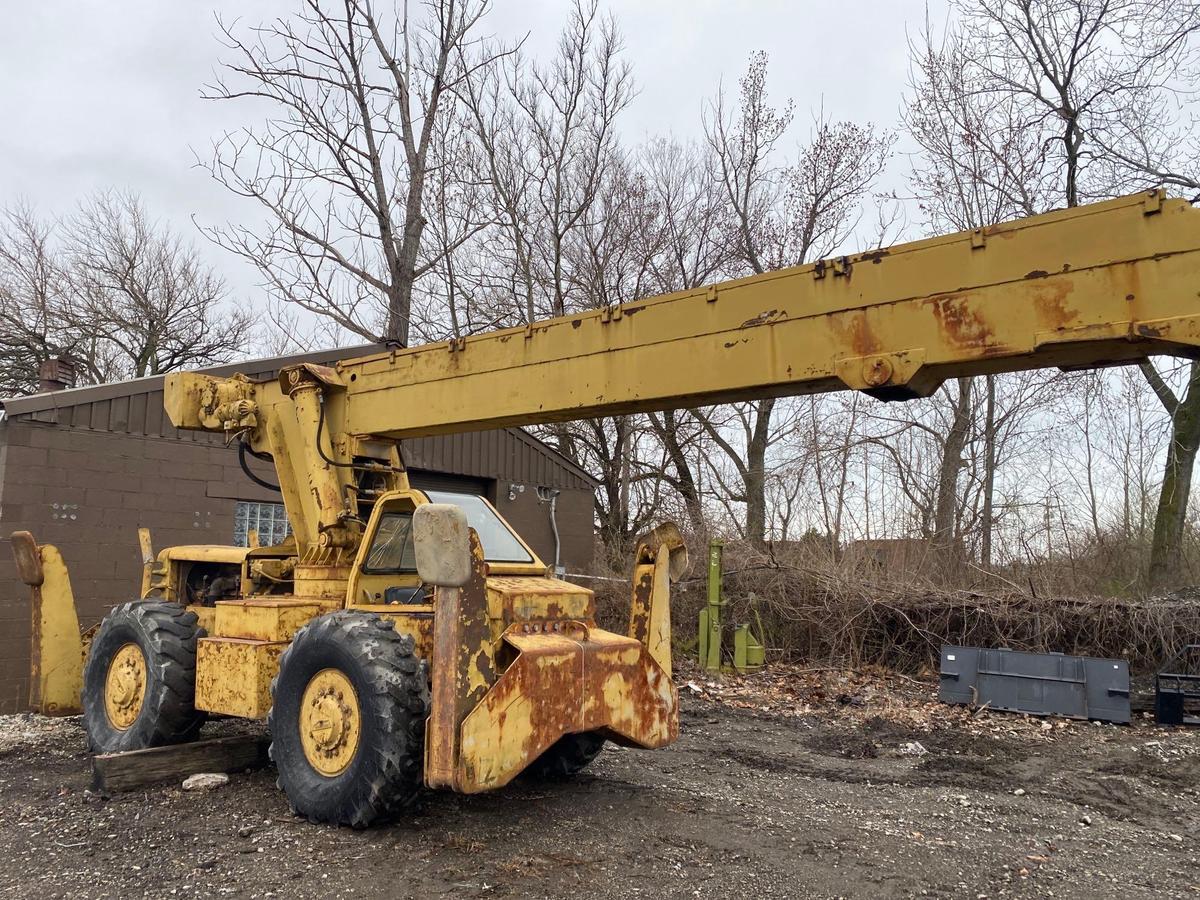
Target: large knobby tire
x: 139, y: 681
x: 347, y: 720
x: 568, y: 756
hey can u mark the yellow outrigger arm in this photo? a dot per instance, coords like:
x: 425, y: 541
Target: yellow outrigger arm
x: 56, y: 651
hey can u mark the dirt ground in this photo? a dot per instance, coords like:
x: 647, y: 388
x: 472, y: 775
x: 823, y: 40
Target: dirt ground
x: 792, y: 784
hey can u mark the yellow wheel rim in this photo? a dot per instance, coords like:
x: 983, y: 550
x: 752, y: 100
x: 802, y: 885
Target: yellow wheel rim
x: 125, y: 686
x: 330, y: 722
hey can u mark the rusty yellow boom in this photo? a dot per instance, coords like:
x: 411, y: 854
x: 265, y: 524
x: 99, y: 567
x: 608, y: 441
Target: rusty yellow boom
x: 414, y: 638
x: 1106, y: 283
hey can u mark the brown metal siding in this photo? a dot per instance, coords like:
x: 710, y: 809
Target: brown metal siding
x: 508, y: 454
x: 531, y: 518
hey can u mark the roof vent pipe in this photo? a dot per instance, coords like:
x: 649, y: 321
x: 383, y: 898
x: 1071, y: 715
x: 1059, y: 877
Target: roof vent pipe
x: 56, y: 374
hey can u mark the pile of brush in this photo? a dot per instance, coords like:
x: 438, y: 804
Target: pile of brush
x: 847, y: 613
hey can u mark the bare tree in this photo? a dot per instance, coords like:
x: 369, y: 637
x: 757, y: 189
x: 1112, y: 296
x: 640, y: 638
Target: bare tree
x: 285, y: 329
x: 1171, y: 515
x: 144, y: 291
x: 946, y: 510
x: 34, y: 291
x: 1133, y: 436
x: 453, y: 299
x: 608, y: 262
x: 979, y: 163
x: 1076, y: 69
x: 988, y: 485
x: 691, y: 246
x: 1098, y: 84
x: 834, y: 437
x: 340, y: 168
x: 745, y: 433
x: 683, y: 445
x: 548, y: 143
x: 693, y: 243
x: 784, y: 214
x: 117, y: 293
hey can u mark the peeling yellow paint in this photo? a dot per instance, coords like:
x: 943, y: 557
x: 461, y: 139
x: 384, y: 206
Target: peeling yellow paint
x: 558, y: 685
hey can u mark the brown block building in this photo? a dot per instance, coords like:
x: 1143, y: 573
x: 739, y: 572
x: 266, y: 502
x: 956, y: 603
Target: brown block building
x: 84, y: 468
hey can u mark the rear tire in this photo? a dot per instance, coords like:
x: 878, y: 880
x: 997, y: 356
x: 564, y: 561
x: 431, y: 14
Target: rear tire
x: 139, y: 681
x: 347, y: 720
x: 568, y: 756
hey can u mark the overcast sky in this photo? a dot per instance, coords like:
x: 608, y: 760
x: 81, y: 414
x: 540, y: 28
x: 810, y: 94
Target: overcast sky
x: 107, y: 94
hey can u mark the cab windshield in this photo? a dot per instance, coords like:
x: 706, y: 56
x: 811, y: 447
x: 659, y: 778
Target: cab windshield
x: 392, y: 548
x: 499, y: 543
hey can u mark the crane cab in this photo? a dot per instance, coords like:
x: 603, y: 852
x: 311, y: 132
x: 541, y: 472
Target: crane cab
x: 385, y: 570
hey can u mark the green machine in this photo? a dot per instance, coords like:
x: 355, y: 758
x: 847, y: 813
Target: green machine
x: 748, y: 651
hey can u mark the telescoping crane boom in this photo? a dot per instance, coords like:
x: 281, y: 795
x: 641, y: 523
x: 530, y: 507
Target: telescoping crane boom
x: 1108, y: 283
x: 519, y: 674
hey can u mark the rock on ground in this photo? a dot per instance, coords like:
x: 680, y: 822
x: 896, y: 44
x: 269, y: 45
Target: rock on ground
x: 205, y: 781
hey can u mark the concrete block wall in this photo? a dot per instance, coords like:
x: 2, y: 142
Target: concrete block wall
x: 87, y: 493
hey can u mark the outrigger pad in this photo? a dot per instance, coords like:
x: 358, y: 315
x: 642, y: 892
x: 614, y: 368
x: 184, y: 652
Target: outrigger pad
x: 665, y: 535
x: 28, y: 559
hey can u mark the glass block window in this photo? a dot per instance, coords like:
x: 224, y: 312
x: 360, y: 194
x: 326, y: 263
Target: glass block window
x: 268, y: 519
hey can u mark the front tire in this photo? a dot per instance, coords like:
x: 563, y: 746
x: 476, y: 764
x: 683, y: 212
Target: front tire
x: 139, y: 681
x: 347, y: 720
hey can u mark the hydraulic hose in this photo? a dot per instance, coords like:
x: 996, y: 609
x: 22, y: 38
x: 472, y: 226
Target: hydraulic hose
x: 243, y: 449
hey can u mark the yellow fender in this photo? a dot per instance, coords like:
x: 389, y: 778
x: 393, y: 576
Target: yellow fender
x: 56, y: 651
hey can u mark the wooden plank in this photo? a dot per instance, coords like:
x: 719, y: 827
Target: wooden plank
x: 116, y: 772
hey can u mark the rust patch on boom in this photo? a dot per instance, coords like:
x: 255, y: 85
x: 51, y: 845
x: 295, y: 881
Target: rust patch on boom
x: 959, y: 323
x: 1050, y: 301
x: 851, y: 329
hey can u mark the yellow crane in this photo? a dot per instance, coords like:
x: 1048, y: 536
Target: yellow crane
x: 402, y: 638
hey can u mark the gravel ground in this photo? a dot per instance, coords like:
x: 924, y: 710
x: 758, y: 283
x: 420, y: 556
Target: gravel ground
x: 849, y: 787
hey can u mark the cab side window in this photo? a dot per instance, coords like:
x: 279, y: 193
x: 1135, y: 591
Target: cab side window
x: 392, y: 549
